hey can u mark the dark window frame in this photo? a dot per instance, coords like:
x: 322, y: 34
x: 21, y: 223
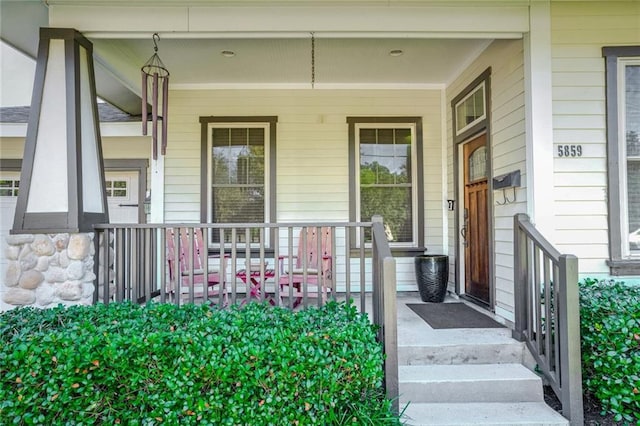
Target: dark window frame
x: 618, y: 264
x: 417, y: 246
x: 271, y: 121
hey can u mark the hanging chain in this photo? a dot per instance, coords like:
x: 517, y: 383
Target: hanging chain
x: 313, y: 60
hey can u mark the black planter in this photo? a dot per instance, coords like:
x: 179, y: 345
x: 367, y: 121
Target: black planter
x: 432, y: 274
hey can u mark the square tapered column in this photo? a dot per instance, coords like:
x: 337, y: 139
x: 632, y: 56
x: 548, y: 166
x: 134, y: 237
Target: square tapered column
x: 51, y: 250
x: 62, y: 180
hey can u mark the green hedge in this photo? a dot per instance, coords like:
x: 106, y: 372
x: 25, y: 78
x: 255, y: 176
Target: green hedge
x: 610, y: 327
x: 162, y: 364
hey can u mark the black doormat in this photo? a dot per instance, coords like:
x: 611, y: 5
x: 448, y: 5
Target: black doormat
x: 452, y: 315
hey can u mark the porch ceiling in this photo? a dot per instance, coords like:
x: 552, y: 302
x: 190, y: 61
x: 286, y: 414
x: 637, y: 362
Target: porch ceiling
x: 286, y: 62
x: 271, y: 40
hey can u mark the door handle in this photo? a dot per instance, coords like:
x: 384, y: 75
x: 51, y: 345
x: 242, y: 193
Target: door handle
x: 463, y: 234
x: 127, y: 205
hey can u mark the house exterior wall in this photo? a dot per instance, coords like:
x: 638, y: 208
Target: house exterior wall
x: 312, y: 160
x: 11, y: 147
x: 508, y: 153
x: 112, y: 147
x: 579, y: 31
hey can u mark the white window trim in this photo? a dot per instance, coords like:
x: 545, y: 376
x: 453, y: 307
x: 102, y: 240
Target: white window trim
x: 484, y: 106
x: 622, y: 161
x: 13, y: 188
x: 414, y: 176
x: 267, y: 165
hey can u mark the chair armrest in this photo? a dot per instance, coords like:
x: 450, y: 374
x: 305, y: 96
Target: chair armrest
x: 217, y: 256
x: 281, y: 260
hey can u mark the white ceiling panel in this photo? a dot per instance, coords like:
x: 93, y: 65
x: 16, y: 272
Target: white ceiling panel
x: 288, y: 60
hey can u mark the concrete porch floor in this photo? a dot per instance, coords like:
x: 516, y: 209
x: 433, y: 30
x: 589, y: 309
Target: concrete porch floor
x: 413, y: 330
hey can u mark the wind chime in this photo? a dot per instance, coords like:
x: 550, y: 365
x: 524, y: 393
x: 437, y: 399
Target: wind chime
x: 154, y: 75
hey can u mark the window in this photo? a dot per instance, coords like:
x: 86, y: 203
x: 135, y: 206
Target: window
x: 470, y: 110
x: 623, y: 149
x: 117, y: 188
x: 387, y: 176
x: 478, y: 164
x: 630, y: 131
x: 9, y: 187
x: 239, y: 172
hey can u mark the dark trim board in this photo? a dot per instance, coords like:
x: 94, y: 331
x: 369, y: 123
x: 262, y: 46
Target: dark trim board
x: 10, y: 164
x: 617, y: 264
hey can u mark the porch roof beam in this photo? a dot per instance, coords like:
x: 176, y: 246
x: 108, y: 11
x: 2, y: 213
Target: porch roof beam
x: 278, y: 19
x: 299, y: 34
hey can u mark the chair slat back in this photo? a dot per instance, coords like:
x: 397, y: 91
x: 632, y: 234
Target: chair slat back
x: 310, y: 249
x: 183, y: 250
x: 196, y: 243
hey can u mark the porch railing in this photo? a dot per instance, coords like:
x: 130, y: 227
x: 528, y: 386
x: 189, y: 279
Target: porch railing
x: 132, y: 264
x: 547, y: 313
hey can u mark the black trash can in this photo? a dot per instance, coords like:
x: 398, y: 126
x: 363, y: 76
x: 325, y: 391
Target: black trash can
x: 432, y: 275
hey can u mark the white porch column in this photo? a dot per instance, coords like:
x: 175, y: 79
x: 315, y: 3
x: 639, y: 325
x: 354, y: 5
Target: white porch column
x: 156, y: 215
x: 539, y: 118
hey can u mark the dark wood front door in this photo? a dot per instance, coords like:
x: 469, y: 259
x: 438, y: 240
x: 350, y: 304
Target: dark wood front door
x: 475, y: 231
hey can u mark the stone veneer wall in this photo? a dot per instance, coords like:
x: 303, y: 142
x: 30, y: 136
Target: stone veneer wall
x: 45, y: 270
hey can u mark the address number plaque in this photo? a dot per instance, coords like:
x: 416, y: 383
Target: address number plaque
x: 563, y: 150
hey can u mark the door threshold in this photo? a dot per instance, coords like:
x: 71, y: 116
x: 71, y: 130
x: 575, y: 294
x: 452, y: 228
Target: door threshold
x: 478, y: 302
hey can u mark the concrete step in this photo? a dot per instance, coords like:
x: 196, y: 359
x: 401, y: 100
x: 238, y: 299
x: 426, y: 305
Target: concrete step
x: 510, y: 352
x: 461, y: 346
x: 469, y: 383
x: 524, y: 413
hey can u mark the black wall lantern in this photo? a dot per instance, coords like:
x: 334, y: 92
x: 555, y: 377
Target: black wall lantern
x: 62, y: 179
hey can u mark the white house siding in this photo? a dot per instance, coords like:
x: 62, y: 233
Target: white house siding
x: 312, y: 151
x: 579, y: 31
x: 507, y: 142
x: 11, y: 147
x: 126, y: 147
x: 112, y: 147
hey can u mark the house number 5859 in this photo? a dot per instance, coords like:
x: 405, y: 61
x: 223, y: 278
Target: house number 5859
x: 569, y: 150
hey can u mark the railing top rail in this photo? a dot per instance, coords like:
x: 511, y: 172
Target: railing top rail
x: 528, y: 228
x: 381, y: 239
x: 229, y: 225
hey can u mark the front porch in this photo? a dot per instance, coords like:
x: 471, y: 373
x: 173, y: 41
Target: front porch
x: 473, y: 375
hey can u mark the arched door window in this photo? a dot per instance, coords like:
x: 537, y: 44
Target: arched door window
x: 478, y: 164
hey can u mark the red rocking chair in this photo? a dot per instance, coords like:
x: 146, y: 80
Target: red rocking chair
x: 191, y: 277
x: 311, y: 269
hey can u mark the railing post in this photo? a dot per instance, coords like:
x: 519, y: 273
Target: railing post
x: 385, y: 309
x: 519, y: 277
x: 390, y: 324
x: 97, y: 234
x: 569, y: 329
